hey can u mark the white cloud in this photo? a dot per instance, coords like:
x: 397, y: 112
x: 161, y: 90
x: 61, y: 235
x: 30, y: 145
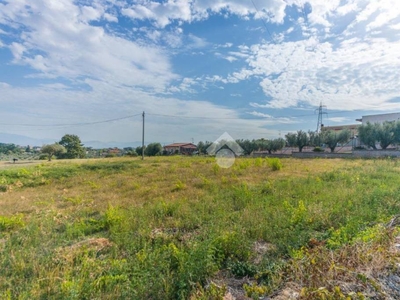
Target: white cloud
x: 395, y: 27
x: 197, y: 42
x: 272, y: 120
x: 186, y: 121
x: 163, y: 14
x: 239, y: 54
x: 230, y: 58
x: 71, y: 48
x: 89, y: 13
x: 338, y: 119
x: 110, y: 17
x: 114, y: 73
x: 272, y: 10
x: 4, y: 85
x: 17, y: 50
x: 355, y: 73
x: 226, y: 45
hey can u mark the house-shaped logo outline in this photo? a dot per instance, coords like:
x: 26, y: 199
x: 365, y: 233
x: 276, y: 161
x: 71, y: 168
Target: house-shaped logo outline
x: 228, y: 141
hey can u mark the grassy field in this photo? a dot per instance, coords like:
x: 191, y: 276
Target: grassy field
x: 183, y: 228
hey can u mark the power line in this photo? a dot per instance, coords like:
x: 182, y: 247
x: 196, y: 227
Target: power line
x: 194, y: 117
x: 263, y: 21
x: 238, y: 118
x: 73, y: 124
x: 254, y: 118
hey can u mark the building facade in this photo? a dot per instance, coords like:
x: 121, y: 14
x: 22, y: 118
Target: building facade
x: 180, y: 148
x: 381, y: 118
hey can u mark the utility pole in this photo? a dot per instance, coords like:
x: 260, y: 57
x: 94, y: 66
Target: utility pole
x: 143, y: 137
x: 321, y: 112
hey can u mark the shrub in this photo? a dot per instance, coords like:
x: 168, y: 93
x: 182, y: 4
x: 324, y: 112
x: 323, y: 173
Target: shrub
x: 275, y: 163
x: 43, y: 157
x: 258, y: 162
x: 255, y: 291
x: 132, y: 153
x: 8, y: 223
x: 179, y: 185
x: 318, y: 149
x: 242, y: 268
x: 230, y: 246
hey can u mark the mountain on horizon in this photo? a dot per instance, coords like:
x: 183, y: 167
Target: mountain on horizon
x: 22, y: 140
x: 102, y: 145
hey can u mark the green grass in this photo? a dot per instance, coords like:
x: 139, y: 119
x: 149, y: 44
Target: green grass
x: 160, y: 228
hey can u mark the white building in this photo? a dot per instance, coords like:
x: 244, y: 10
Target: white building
x: 379, y: 118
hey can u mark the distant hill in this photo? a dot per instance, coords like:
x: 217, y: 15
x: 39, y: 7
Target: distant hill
x: 22, y: 140
x: 102, y: 145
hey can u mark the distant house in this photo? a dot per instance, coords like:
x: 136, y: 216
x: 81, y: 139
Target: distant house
x: 180, y: 148
x: 114, y: 151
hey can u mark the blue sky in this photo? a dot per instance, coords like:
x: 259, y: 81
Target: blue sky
x: 197, y: 68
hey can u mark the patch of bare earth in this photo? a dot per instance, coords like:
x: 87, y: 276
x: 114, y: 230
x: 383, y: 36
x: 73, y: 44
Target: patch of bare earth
x: 373, y: 271
x: 98, y: 245
x: 234, y: 286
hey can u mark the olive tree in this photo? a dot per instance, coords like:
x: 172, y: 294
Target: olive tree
x: 299, y: 139
x: 368, y: 135
x: 275, y: 145
x: 153, y: 149
x: 332, y: 138
x: 315, y: 138
x: 385, y: 134
x: 53, y: 149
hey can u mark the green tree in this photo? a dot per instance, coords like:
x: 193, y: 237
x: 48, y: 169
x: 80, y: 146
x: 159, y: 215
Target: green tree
x: 153, y: 149
x: 53, y: 149
x: 262, y: 144
x: 8, y: 148
x: 368, y: 135
x: 203, y: 146
x: 385, y: 134
x: 139, y: 150
x: 132, y: 153
x: 275, y: 145
x: 299, y: 139
x: 73, y: 145
x: 332, y: 138
x: 291, y: 139
x: 247, y: 146
x: 397, y: 133
x: 315, y: 138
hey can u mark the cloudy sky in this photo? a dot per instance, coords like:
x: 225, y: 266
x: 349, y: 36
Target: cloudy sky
x: 198, y: 68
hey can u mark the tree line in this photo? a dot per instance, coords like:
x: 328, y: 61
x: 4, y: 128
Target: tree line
x: 299, y: 140
x: 385, y: 134
x: 370, y: 135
